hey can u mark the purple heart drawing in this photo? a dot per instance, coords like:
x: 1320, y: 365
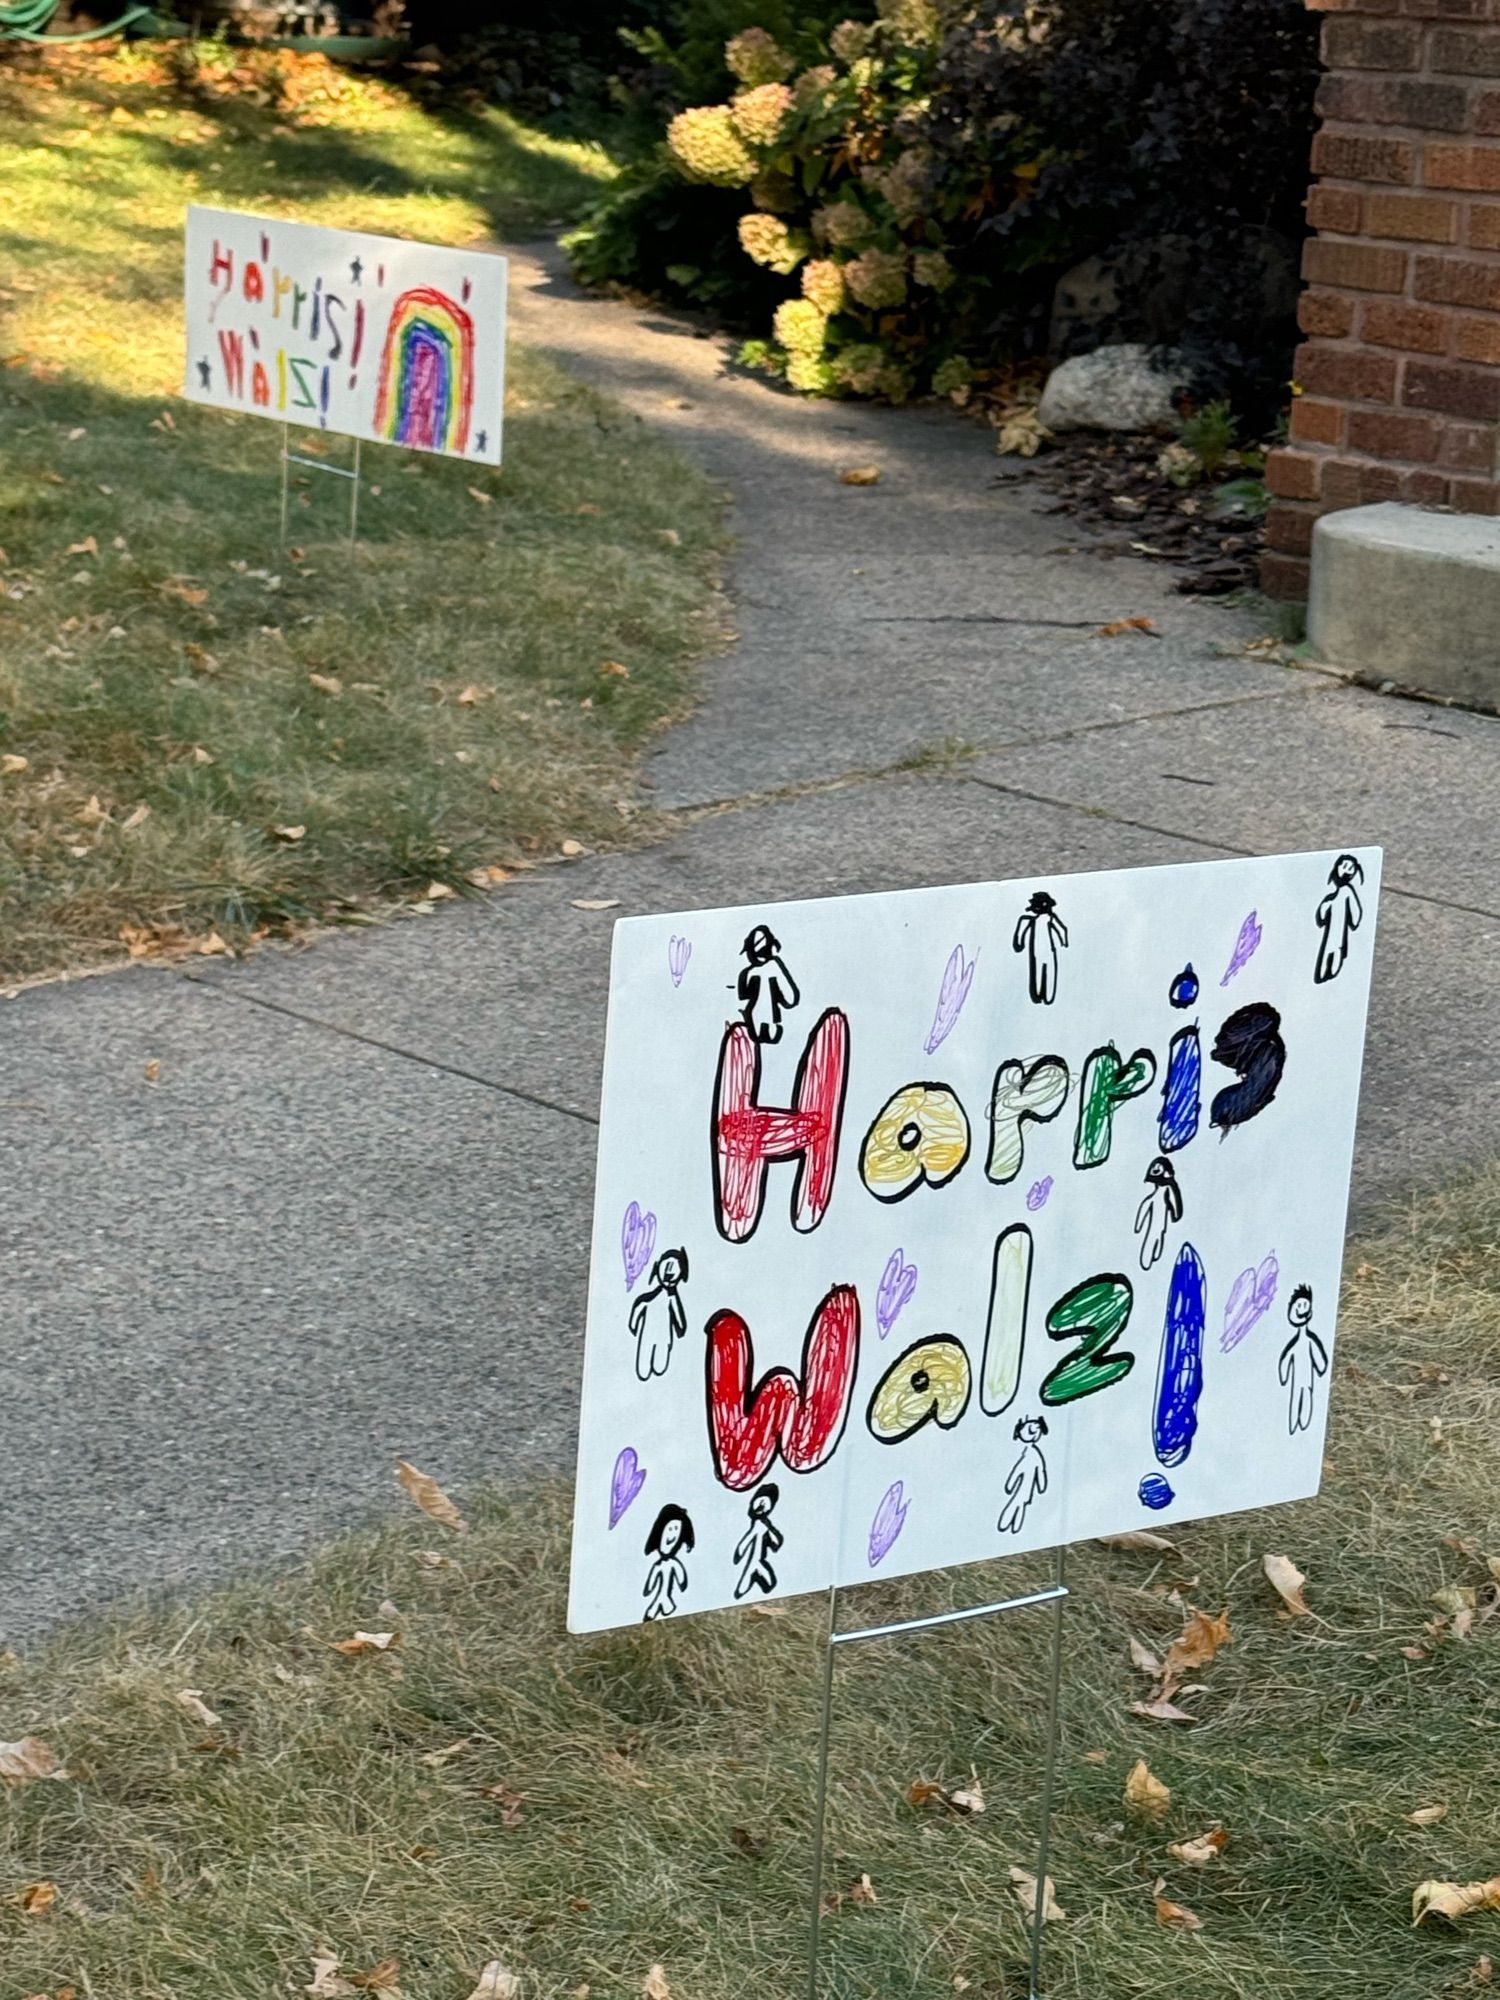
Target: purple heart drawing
x: 1037, y: 1193
x: 958, y: 977
x: 679, y: 951
x: 1245, y: 947
x: 897, y: 1283
x: 629, y: 1477
x: 1251, y: 1297
x: 890, y: 1519
x: 637, y: 1241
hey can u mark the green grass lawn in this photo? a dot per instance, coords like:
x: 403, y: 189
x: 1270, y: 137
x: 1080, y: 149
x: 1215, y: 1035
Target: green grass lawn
x: 584, y: 1809
x: 158, y: 646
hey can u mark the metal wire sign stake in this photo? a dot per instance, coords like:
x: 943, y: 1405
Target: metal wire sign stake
x: 1055, y: 1594
x: 290, y: 458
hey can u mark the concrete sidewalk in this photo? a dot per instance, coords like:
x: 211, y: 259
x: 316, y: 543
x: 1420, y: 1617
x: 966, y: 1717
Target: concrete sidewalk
x: 348, y: 1223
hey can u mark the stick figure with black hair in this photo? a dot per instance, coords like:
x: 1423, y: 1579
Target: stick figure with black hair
x: 760, y: 1541
x: 670, y: 1539
x: 1027, y: 1478
x: 658, y: 1318
x: 1041, y: 934
x: 1303, y: 1360
x: 765, y: 987
x: 1339, y: 916
x: 1160, y: 1207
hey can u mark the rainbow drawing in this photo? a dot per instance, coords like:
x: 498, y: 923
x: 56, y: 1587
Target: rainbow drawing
x: 426, y: 389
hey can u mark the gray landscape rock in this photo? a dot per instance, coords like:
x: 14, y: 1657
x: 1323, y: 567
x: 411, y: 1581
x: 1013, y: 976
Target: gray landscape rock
x: 1112, y: 389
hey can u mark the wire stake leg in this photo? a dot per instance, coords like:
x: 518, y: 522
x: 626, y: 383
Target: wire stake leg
x: 1049, y: 1781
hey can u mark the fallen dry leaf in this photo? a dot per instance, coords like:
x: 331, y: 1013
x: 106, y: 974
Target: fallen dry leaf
x: 597, y: 903
x: 192, y: 1700
x: 379, y: 1979
x: 429, y: 1496
x: 496, y: 1982
x: 328, y: 1983
x: 1143, y: 1659
x: 366, y: 1642
x: 1198, y: 1853
x: 1175, y: 1916
x: 1453, y: 1899
x: 478, y: 493
x: 290, y: 834
x: 614, y: 667
x: 186, y: 593
x: 87, y: 547
x: 1024, y: 1884
x: 751, y: 1845
x: 152, y: 1070
x: 38, y: 1898
x: 1287, y: 1580
x: 1118, y: 626
x: 860, y: 475
x: 10, y: 764
x: 326, y: 683
x: 436, y: 1759
x: 1161, y: 1711
x: 1427, y: 1815
x: 431, y: 1559
x: 1144, y: 1793
x: 439, y: 892
x: 1020, y: 433
x: 654, y: 1985
x: 135, y: 819
x: 509, y: 1802
x: 967, y: 1798
x: 472, y: 695
x: 1141, y: 1539
x: 26, y: 1759
x: 1195, y: 1646
x: 1482, y: 1972
x: 863, y: 1891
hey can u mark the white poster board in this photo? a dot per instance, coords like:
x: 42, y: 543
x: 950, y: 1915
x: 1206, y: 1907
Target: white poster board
x: 939, y: 1225
x: 399, y: 343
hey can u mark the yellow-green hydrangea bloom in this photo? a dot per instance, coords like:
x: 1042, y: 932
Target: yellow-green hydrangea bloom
x: 878, y: 278
x: 755, y: 56
x: 914, y: 22
x: 759, y: 114
x: 811, y: 374
x: 861, y: 368
x: 931, y: 268
x: 905, y: 185
x: 767, y: 240
x: 823, y: 283
x: 850, y: 40
x: 842, y: 222
x: 811, y: 90
x: 800, y: 327
x: 952, y: 377
x: 706, y: 146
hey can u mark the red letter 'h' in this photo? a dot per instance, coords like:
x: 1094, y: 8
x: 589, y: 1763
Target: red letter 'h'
x: 748, y: 1136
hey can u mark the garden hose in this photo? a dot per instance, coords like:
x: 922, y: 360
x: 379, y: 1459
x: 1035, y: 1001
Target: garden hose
x: 25, y: 20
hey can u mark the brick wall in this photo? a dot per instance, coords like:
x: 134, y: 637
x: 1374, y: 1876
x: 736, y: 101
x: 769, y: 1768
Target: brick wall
x: 1400, y: 391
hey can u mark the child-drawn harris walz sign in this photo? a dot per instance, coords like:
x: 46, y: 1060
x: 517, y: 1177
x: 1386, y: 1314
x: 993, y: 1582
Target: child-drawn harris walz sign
x: 935, y: 1225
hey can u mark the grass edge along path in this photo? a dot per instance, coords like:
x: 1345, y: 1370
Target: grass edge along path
x: 242, y: 1793
x: 202, y: 734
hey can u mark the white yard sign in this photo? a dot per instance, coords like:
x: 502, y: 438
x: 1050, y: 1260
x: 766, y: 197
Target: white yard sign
x: 401, y: 343
x: 938, y: 1225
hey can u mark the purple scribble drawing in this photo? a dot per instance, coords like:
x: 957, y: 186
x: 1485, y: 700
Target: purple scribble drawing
x: 1037, y: 1193
x: 958, y: 977
x: 637, y: 1241
x: 1251, y: 1297
x: 679, y: 951
x: 629, y: 1477
x: 897, y: 1283
x: 890, y: 1519
x: 1245, y: 947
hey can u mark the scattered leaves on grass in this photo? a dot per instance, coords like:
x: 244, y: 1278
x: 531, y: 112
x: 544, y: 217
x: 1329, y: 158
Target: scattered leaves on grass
x: 1198, y: 1853
x: 192, y: 1700
x: 38, y: 1899
x: 1020, y: 432
x: 429, y: 1497
x: 509, y: 1802
x: 655, y: 1986
x: 289, y: 834
x: 11, y: 764
x: 1145, y: 1793
x: 1287, y: 1580
x: 1023, y: 1883
x: 751, y: 1845
x: 27, y: 1759
x: 137, y: 818
x: 1195, y: 1646
x: 380, y: 1979
x: 436, y: 1759
x: 326, y: 683
x: 496, y: 1982
x: 1174, y: 1916
x: 966, y: 1800
x: 614, y: 667
x: 472, y: 695
x: 433, y: 1559
x: 87, y: 547
x: 860, y: 475
x: 1427, y: 1815
x: 1161, y: 1711
x: 366, y: 1642
x: 863, y: 1891
x: 571, y: 849
x: 182, y: 590
x: 1140, y: 1539
x: 478, y: 493
x: 1453, y: 1900
x: 1117, y: 627
x: 439, y: 892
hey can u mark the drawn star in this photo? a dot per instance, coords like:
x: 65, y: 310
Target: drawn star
x: 479, y: 442
x: 356, y: 270
x: 205, y: 374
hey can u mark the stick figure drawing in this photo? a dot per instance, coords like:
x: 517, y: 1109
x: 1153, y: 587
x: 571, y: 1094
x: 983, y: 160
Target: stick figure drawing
x: 670, y: 1539
x: 765, y: 988
x: 1160, y: 1207
x: 1339, y: 916
x: 760, y: 1541
x: 658, y: 1318
x: 1041, y: 934
x: 1303, y: 1360
x: 1027, y: 1478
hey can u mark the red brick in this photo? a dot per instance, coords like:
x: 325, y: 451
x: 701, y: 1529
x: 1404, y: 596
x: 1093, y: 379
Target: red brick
x: 1478, y: 340
x: 1289, y: 528
x: 1347, y: 100
x: 1425, y: 489
x: 1316, y: 423
x: 1484, y: 225
x: 1415, y: 218
x: 1393, y: 323
x: 1390, y: 434
x: 1458, y: 281
x: 1455, y: 390
x: 1355, y: 267
x: 1340, y: 209
x: 1431, y: 107
x: 1294, y: 475
x: 1355, y: 44
x: 1468, y: 448
x: 1476, y: 167
x: 1464, y: 52
x: 1353, y: 374
x: 1354, y: 156
x: 1328, y: 314
x: 1341, y: 482
x: 1284, y: 578
x: 1377, y: 483
x: 1487, y: 113
x: 1474, y: 496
